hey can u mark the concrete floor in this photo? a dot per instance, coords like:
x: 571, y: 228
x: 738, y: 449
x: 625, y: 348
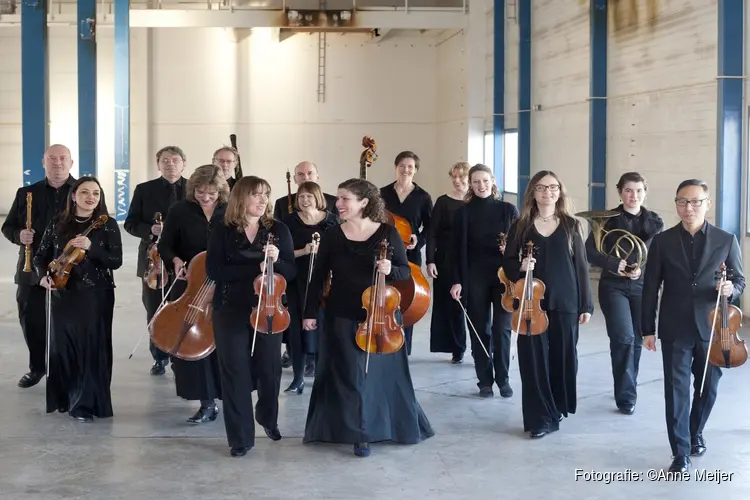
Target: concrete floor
x: 148, y: 450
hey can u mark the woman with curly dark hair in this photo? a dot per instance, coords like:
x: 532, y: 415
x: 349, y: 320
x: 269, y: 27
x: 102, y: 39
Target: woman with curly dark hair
x: 346, y: 406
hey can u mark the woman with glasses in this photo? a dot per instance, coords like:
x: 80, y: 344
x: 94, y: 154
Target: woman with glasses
x: 621, y: 283
x: 549, y: 362
x: 477, y: 257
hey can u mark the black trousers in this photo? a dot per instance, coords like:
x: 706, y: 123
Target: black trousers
x: 686, y: 421
x: 32, y: 315
x: 151, y: 300
x: 241, y: 374
x: 621, y: 305
x: 549, y: 365
x: 492, y: 322
x: 302, y: 343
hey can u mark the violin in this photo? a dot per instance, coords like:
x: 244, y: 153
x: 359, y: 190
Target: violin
x: 508, y: 295
x: 380, y: 333
x: 61, y: 267
x: 183, y: 328
x: 270, y: 287
x: 727, y: 349
x: 415, y: 291
x: 153, y: 272
x: 530, y: 318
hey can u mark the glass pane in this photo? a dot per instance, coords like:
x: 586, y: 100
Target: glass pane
x: 489, y: 150
x: 510, y: 141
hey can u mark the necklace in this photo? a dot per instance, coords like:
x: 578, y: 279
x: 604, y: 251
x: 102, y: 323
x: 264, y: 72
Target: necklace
x: 546, y: 219
x: 78, y: 219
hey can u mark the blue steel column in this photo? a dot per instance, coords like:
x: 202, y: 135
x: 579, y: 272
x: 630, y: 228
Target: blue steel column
x: 122, y: 109
x: 524, y: 97
x: 498, y: 96
x: 729, y: 142
x: 598, y: 107
x: 86, y: 87
x: 34, y: 93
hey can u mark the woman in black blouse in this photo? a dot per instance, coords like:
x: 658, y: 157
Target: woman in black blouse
x: 184, y: 236
x: 408, y: 200
x: 310, y: 216
x: 549, y: 362
x: 80, y: 342
x: 448, y: 326
x: 235, y: 257
x: 346, y: 406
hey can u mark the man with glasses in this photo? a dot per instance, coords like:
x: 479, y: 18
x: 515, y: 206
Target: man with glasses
x: 226, y: 158
x: 685, y: 259
x: 149, y: 198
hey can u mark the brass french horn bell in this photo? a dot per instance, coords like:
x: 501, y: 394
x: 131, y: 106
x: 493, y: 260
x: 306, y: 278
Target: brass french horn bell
x: 623, y: 247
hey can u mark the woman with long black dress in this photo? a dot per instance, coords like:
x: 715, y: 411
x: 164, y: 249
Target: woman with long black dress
x: 236, y: 256
x: 477, y: 256
x: 309, y: 217
x: 549, y: 362
x: 447, y: 326
x: 620, y: 288
x: 408, y: 200
x: 80, y: 347
x: 345, y: 406
x: 185, y: 235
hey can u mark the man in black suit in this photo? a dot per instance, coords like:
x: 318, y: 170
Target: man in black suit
x: 149, y: 198
x: 48, y: 198
x: 226, y: 159
x: 685, y: 260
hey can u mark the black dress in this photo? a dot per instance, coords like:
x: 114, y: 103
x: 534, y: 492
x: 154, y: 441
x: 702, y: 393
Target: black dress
x: 80, y: 348
x: 346, y: 407
x: 447, y: 327
x: 549, y: 362
x: 302, y: 342
x: 233, y: 262
x: 185, y: 235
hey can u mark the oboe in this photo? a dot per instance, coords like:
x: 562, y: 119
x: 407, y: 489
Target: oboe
x: 27, y: 264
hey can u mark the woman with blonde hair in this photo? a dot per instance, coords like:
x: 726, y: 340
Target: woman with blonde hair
x: 448, y: 326
x: 236, y: 256
x: 185, y: 235
x: 549, y: 362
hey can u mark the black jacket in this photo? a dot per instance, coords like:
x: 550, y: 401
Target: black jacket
x: 46, y: 203
x: 281, y: 207
x: 149, y: 197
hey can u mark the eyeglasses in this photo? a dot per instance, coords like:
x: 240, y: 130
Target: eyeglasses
x: 682, y: 202
x: 553, y: 188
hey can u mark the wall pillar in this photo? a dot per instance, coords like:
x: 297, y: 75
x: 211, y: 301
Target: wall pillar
x: 122, y: 108
x: 498, y: 95
x: 524, y: 97
x: 35, y: 88
x: 87, y: 87
x: 598, y: 107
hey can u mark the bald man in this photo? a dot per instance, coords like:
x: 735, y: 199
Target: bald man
x: 303, y: 172
x: 49, y: 198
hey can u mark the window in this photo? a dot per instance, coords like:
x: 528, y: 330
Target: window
x: 510, y: 158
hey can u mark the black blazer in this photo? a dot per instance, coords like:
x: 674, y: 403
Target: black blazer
x: 686, y: 300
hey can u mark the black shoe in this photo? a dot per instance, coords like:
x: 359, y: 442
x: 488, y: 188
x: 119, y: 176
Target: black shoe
x: 506, y: 391
x: 626, y: 409
x: 537, y: 434
x: 698, y: 447
x: 159, y: 367
x: 362, y: 449
x: 274, y: 433
x: 239, y: 451
x: 81, y: 415
x: 486, y: 392
x: 680, y: 464
x: 286, y: 361
x: 458, y: 358
x: 296, y: 386
x: 560, y: 418
x: 310, y: 369
x: 205, y: 414
x: 30, y: 380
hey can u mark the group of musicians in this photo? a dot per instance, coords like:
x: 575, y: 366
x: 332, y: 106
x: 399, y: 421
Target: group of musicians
x: 328, y: 249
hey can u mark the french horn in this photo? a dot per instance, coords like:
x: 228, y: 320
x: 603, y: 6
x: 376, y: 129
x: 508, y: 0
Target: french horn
x: 625, y: 244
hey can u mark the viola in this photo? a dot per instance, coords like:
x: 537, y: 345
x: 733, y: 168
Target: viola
x: 415, y: 291
x: 183, y: 328
x: 530, y: 318
x: 380, y: 333
x: 508, y: 295
x: 270, y: 287
x: 727, y: 349
x: 152, y: 276
x: 61, y: 267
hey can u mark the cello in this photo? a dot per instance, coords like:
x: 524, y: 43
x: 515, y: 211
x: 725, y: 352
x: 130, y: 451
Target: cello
x: 380, y: 333
x: 270, y: 287
x: 508, y: 295
x: 415, y: 291
x: 183, y: 328
x: 530, y: 318
x: 61, y: 267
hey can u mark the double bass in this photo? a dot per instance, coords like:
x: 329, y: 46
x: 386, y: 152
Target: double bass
x: 61, y: 267
x: 270, y: 287
x: 529, y: 318
x: 415, y: 291
x: 183, y: 328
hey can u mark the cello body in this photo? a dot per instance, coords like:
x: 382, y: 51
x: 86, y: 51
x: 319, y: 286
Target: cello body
x: 183, y: 328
